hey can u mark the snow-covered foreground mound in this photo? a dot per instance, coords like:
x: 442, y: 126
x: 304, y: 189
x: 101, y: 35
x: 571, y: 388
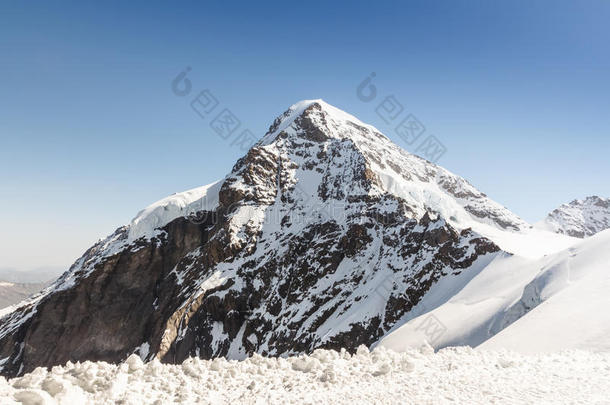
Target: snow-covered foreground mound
x: 453, y: 375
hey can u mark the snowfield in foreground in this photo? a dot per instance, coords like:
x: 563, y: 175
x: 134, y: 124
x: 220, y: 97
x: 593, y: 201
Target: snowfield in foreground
x: 452, y: 375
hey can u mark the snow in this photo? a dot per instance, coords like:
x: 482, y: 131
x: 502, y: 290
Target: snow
x: 530, y: 243
x: 417, y: 376
x: 555, y: 302
x: 571, y: 291
x: 164, y: 211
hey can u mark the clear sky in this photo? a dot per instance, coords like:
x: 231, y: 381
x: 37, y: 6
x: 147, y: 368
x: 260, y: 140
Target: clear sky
x: 91, y: 132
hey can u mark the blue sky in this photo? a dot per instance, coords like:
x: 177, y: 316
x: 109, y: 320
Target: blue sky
x: 91, y: 131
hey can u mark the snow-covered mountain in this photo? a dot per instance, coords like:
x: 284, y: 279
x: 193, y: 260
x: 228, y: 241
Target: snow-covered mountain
x: 324, y: 235
x: 579, y: 218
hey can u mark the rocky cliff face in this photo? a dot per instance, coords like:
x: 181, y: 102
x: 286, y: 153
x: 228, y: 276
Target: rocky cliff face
x: 323, y: 236
x: 579, y: 218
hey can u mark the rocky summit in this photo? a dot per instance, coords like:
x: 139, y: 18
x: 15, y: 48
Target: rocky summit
x: 324, y: 235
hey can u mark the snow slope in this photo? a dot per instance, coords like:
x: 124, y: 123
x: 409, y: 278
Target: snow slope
x: 450, y: 376
x: 164, y: 211
x: 569, y: 303
x: 555, y: 302
x: 579, y: 218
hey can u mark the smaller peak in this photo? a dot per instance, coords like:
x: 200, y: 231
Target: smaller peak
x: 580, y: 218
x: 595, y: 198
x: 598, y: 201
x: 592, y: 199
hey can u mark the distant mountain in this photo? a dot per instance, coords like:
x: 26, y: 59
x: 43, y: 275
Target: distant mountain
x: 17, y: 285
x: 324, y: 235
x: 579, y: 218
x: 14, y: 293
x: 37, y: 275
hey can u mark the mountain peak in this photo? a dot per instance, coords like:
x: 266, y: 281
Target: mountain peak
x: 579, y: 218
x: 317, y: 148
x: 593, y: 200
x: 317, y: 113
